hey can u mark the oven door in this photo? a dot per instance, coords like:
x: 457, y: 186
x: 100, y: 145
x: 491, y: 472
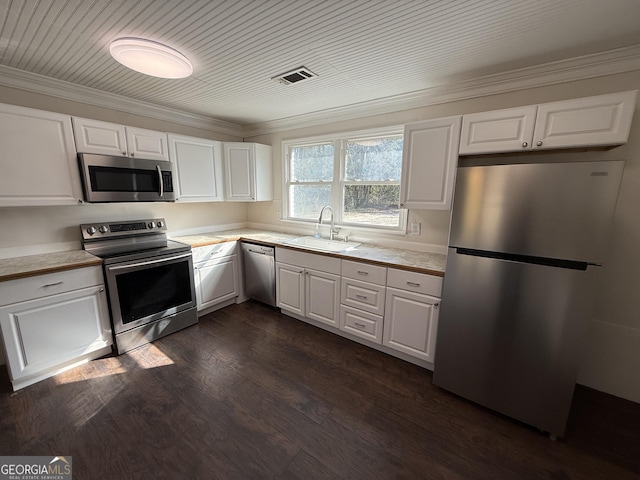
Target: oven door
x: 145, y: 290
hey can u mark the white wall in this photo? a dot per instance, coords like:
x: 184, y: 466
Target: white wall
x: 613, y: 354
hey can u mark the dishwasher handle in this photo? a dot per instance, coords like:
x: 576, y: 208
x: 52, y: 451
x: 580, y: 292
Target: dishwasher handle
x: 258, y: 249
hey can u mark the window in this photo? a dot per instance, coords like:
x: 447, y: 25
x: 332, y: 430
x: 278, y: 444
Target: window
x: 357, y: 174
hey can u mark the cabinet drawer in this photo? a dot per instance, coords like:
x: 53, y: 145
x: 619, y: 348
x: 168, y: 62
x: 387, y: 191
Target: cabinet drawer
x: 363, y: 295
x: 362, y: 324
x: 28, y: 288
x: 364, y: 272
x: 415, y: 282
x: 322, y: 263
x: 201, y: 254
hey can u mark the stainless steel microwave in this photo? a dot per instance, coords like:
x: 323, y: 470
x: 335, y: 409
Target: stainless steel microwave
x: 122, y: 179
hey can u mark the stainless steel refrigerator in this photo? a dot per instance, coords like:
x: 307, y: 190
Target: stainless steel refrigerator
x: 525, y: 248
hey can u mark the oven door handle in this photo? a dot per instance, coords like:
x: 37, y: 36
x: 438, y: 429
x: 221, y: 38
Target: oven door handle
x: 161, y: 187
x: 150, y: 262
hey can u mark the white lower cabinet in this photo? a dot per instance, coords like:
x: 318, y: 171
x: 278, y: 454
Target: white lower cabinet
x: 362, y: 300
x: 308, y: 285
x: 322, y: 295
x: 215, y: 275
x: 393, y: 308
x: 361, y: 324
x: 411, y: 313
x: 53, y: 324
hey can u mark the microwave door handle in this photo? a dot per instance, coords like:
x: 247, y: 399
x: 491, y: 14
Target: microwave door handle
x: 161, y: 188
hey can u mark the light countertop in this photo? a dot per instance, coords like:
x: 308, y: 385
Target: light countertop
x: 422, y: 262
x: 30, y: 265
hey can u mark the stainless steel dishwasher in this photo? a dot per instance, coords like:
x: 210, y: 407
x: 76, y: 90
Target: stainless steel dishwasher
x: 259, y: 272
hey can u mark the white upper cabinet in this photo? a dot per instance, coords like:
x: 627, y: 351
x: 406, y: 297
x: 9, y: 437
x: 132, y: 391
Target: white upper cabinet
x: 104, y: 138
x: 197, y: 166
x: 38, y: 161
x: 248, y: 172
x: 583, y: 122
x: 498, y: 131
x: 429, y: 160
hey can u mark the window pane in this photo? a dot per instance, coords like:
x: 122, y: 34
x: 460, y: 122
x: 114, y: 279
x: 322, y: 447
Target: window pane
x: 374, y: 159
x: 312, y: 163
x: 306, y: 201
x: 372, y: 204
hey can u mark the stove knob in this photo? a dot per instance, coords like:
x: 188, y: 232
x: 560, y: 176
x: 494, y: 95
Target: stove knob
x: 103, y: 229
x: 151, y: 225
x: 91, y: 230
x: 160, y: 224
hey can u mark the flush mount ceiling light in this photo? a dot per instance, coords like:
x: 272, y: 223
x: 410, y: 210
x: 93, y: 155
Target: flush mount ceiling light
x: 150, y: 58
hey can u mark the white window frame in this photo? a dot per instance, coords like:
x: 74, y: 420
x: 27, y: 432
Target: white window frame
x: 337, y: 193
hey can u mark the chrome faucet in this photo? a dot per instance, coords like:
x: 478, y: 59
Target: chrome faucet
x: 333, y: 230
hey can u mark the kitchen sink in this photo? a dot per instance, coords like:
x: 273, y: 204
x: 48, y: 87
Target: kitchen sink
x: 323, y: 244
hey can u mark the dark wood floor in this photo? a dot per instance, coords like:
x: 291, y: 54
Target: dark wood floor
x: 249, y: 393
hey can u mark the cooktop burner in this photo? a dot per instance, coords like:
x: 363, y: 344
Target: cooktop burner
x: 128, y: 240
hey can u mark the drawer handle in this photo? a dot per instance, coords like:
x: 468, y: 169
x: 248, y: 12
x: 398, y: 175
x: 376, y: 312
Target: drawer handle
x: 413, y: 284
x: 362, y: 272
x: 52, y: 284
x: 361, y: 325
x: 363, y: 297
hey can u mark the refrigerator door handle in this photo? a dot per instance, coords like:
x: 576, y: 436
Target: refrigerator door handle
x: 511, y: 257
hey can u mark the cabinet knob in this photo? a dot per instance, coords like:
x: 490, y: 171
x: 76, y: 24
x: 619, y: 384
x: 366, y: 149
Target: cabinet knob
x: 124, y: 154
x: 539, y: 143
x: 131, y: 154
x: 437, y: 304
x: 525, y: 144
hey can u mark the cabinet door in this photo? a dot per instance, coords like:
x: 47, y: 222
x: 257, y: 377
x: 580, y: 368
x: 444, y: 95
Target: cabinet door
x: 322, y: 297
x: 506, y: 130
x: 429, y: 160
x: 197, y: 166
x: 38, y: 160
x: 290, y: 288
x: 147, y: 144
x: 240, y: 171
x: 102, y: 138
x: 410, y: 323
x: 46, y: 333
x: 585, y: 122
x: 216, y: 281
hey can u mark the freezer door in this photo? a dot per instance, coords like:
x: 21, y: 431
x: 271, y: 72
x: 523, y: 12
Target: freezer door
x: 552, y: 210
x: 510, y: 336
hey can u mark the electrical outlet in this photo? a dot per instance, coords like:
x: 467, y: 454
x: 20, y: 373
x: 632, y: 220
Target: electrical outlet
x: 415, y: 228
x: 278, y: 215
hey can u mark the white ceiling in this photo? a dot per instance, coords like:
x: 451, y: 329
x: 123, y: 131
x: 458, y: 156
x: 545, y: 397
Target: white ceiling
x: 361, y: 50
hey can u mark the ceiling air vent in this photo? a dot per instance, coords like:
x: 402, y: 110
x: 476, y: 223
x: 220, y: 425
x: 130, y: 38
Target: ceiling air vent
x: 294, y: 76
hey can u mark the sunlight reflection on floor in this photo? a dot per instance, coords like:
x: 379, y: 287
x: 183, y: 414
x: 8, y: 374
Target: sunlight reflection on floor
x: 150, y: 356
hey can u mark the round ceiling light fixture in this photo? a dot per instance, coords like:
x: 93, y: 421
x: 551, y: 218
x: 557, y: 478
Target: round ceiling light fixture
x: 151, y: 58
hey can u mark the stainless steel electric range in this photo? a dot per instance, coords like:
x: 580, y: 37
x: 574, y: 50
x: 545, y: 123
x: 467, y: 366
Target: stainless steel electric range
x: 149, y: 279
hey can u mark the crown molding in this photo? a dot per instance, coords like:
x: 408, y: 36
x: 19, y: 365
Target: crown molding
x: 32, y: 82
x: 611, y: 62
